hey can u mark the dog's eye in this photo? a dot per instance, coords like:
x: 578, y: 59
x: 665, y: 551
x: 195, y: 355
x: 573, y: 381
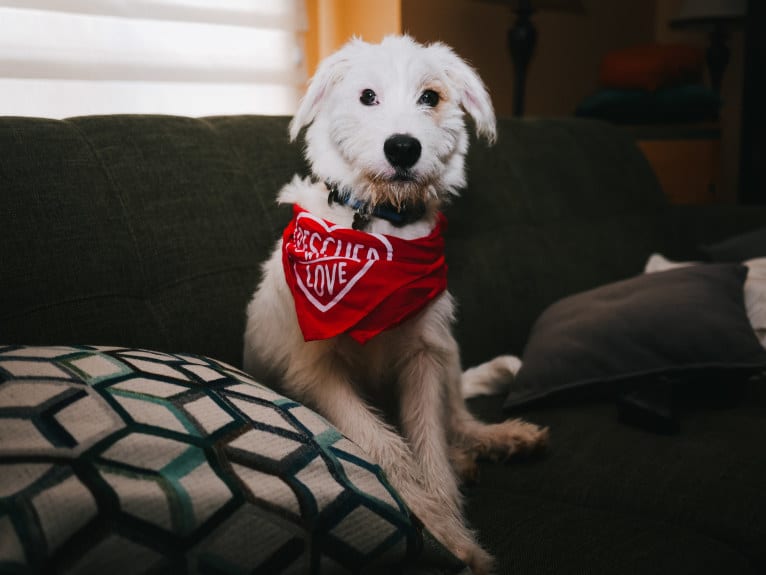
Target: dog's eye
x: 368, y: 97
x: 429, y: 98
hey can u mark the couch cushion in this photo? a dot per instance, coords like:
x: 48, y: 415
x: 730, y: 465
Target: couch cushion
x: 608, y: 498
x: 754, y: 288
x: 115, y: 456
x: 158, y: 223
x: 671, y: 326
x: 555, y: 207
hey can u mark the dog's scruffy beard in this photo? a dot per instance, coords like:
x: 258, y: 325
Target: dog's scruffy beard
x: 398, y: 193
x: 405, y: 190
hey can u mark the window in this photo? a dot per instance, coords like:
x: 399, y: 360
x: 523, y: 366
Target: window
x: 61, y: 58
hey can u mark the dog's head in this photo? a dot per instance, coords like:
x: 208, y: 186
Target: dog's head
x: 386, y: 120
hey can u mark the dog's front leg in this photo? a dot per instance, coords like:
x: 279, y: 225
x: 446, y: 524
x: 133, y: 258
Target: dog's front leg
x: 322, y: 381
x: 423, y: 416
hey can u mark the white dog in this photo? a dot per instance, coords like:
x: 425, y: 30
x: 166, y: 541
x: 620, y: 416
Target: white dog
x: 337, y: 323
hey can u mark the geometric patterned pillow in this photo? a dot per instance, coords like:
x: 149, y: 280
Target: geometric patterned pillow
x: 116, y: 459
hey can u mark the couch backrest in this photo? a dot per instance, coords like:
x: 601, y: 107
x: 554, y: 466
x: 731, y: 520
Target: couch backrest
x: 149, y: 230
x: 555, y: 207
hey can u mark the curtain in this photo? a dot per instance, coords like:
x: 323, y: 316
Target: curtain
x: 61, y: 58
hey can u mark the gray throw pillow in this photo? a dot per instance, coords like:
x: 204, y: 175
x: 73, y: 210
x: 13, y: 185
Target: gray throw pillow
x: 674, y: 326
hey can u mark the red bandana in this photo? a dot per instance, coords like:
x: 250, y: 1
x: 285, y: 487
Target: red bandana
x: 348, y: 281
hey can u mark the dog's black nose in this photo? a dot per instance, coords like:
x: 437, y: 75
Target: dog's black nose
x: 402, y: 151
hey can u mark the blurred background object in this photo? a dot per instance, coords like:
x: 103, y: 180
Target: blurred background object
x: 522, y: 38
x: 717, y: 17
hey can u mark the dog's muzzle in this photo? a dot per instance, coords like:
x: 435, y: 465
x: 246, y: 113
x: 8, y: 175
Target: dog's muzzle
x: 402, y: 151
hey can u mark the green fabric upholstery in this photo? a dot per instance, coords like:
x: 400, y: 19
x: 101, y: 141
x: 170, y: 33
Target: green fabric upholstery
x: 557, y: 206
x: 610, y: 498
x: 158, y: 224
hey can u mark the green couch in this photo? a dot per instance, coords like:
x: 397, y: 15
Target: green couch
x: 147, y: 232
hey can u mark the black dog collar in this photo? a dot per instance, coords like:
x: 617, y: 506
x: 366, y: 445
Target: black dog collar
x: 398, y: 217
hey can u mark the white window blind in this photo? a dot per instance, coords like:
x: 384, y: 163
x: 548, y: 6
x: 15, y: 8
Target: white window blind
x: 62, y: 58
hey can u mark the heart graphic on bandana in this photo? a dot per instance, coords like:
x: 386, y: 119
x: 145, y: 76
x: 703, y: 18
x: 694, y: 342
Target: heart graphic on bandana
x: 349, y: 281
x: 332, y: 262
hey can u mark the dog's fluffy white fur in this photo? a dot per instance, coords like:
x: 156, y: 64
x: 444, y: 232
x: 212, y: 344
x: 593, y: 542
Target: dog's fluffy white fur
x: 399, y: 395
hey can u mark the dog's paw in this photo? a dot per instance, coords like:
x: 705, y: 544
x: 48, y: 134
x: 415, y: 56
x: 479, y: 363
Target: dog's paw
x: 516, y: 436
x: 478, y: 560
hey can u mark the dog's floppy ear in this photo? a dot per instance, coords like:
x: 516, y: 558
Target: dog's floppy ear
x: 330, y: 70
x: 473, y: 94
